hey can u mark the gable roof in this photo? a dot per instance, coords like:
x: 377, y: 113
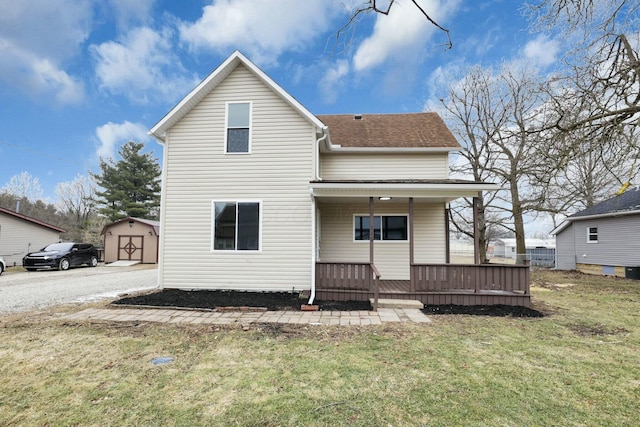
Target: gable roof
x: 32, y: 220
x: 153, y: 223
x: 627, y: 202
x: 414, y: 130
x: 218, y: 75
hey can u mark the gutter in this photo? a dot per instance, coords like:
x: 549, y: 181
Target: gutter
x: 312, y: 295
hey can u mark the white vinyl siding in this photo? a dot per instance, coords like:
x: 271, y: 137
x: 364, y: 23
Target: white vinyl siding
x: 19, y: 237
x: 367, y: 166
x: 277, y: 173
x: 391, y: 257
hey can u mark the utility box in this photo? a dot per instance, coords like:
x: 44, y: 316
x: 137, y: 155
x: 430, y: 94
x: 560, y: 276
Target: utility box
x: 632, y: 273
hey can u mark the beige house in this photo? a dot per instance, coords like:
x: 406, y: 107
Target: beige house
x: 131, y: 239
x: 260, y: 194
x: 20, y: 234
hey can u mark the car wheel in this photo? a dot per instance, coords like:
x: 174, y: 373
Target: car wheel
x: 93, y: 262
x: 64, y: 264
x: 1, y: 269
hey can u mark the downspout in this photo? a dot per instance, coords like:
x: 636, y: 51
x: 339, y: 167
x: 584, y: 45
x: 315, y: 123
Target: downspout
x: 324, y: 136
x: 312, y: 296
x: 314, y: 236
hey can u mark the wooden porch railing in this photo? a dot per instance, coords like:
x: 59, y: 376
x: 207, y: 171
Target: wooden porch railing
x: 363, y: 276
x: 470, y: 277
x: 346, y: 275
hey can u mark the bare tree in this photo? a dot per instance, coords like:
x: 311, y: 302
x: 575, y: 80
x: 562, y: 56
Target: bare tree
x: 602, y: 75
x: 499, y: 115
x: 24, y: 185
x: 471, y: 114
x: 76, y: 199
x: 383, y: 8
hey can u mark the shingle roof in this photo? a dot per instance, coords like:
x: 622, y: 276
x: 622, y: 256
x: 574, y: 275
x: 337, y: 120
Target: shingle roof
x: 414, y: 130
x: 626, y: 202
x: 32, y: 220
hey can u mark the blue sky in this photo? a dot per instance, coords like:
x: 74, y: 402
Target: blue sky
x: 79, y: 78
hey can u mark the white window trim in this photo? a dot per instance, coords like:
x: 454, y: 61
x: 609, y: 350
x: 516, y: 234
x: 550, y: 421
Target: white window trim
x: 213, y: 226
x: 353, y: 229
x: 589, y: 235
x: 226, y: 126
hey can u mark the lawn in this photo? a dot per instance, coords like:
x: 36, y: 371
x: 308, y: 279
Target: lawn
x: 577, y: 366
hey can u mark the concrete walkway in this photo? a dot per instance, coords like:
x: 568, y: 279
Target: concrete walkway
x: 329, y: 318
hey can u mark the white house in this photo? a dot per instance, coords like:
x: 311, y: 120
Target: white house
x: 261, y: 194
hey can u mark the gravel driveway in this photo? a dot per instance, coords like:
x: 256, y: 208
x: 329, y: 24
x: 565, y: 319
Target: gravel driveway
x: 22, y: 291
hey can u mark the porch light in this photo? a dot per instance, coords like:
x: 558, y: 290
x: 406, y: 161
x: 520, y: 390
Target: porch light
x: 384, y: 198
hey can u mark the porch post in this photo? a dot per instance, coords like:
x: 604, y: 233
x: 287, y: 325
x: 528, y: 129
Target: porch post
x: 412, y: 283
x: 447, y: 246
x: 476, y: 233
x: 371, y: 257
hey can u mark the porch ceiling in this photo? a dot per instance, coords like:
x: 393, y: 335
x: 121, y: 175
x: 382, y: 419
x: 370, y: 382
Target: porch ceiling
x: 434, y: 191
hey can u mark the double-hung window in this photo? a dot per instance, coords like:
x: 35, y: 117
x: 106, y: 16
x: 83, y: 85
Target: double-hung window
x: 385, y: 227
x: 236, y: 226
x: 238, y: 136
x: 592, y: 234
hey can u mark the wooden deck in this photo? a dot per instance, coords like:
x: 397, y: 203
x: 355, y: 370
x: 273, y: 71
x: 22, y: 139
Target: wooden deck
x: 434, y: 284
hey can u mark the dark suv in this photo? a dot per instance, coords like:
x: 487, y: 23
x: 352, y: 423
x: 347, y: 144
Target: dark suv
x: 61, y: 256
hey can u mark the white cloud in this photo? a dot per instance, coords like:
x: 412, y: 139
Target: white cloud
x: 112, y: 135
x: 130, y: 13
x: 141, y: 67
x: 36, y: 38
x: 403, y: 33
x: 541, y: 51
x: 263, y: 29
x: 333, y: 80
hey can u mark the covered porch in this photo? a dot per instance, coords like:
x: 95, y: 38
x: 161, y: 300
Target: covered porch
x: 418, y: 266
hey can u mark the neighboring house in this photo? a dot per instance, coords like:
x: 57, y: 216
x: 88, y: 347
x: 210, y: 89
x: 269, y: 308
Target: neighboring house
x: 606, y: 235
x: 540, y: 252
x: 20, y: 234
x: 131, y: 239
x: 260, y: 194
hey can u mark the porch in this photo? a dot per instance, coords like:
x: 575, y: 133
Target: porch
x: 432, y: 284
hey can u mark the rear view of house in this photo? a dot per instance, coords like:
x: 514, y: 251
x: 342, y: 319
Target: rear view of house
x: 260, y: 194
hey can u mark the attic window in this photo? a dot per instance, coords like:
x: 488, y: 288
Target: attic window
x: 238, y: 136
x: 357, y: 117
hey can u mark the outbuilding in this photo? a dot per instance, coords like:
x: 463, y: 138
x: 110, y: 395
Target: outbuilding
x: 20, y: 234
x: 131, y: 239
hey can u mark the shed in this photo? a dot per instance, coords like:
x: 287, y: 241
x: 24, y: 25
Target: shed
x: 20, y: 234
x: 131, y: 239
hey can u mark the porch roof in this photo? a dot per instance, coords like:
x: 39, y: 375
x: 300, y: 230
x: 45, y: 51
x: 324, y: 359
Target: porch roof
x: 437, y: 190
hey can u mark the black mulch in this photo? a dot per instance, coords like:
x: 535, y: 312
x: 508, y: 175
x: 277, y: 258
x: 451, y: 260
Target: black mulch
x: 214, y: 299
x: 292, y: 302
x: 482, y: 310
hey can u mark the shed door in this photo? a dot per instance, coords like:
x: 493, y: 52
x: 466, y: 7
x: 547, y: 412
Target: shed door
x: 130, y: 248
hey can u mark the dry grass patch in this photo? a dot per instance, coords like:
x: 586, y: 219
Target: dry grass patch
x: 579, y: 365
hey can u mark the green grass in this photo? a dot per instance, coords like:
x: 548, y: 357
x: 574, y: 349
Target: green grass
x: 578, y: 366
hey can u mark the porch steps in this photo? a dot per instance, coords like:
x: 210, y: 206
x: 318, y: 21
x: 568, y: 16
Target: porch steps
x: 398, y: 303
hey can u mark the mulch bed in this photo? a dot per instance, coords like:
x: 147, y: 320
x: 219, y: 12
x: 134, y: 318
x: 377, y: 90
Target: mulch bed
x: 216, y: 299
x: 482, y: 310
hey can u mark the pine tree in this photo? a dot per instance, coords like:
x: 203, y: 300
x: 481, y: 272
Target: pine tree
x: 131, y: 186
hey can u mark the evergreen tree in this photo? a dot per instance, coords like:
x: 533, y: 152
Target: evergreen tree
x: 131, y: 186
